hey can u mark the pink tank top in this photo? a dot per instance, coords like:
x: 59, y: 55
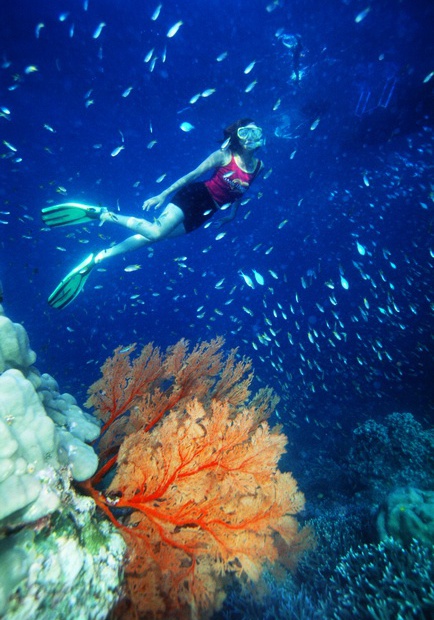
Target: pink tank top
x: 229, y: 182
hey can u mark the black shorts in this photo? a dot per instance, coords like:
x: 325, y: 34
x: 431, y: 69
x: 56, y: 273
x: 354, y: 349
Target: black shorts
x: 196, y: 203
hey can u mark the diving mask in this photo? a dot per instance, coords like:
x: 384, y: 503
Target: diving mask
x: 250, y: 137
x: 249, y: 133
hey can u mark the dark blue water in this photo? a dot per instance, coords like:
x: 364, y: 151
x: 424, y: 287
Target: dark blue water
x: 341, y: 228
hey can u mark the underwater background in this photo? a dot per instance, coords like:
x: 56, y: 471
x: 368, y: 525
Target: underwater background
x: 337, y: 236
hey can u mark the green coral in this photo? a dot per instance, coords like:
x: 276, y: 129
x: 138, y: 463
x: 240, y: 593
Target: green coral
x: 16, y: 556
x: 93, y: 537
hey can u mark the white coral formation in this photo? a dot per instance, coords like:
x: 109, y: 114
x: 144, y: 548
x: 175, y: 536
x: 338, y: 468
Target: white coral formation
x: 74, y: 427
x: 41, y: 433
x: 28, y: 452
x: 15, y: 351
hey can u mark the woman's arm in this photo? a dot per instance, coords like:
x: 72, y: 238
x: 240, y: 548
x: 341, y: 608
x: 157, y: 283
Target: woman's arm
x: 215, y: 160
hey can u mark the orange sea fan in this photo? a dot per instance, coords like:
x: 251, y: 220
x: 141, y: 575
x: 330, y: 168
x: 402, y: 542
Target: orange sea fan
x: 199, y: 488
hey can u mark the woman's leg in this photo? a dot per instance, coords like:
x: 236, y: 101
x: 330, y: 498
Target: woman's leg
x: 171, y: 219
x: 132, y: 243
x: 167, y: 226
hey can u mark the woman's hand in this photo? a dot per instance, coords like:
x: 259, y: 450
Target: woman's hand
x: 156, y: 202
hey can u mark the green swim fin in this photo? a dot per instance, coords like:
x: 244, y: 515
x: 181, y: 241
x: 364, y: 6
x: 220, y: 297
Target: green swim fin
x: 72, y: 284
x: 69, y: 213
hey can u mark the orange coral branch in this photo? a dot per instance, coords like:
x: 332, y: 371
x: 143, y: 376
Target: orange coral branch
x: 104, y: 470
x: 123, y: 382
x: 200, y: 487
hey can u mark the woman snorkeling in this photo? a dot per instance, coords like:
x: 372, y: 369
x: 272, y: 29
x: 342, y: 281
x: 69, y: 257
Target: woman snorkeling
x: 235, y: 167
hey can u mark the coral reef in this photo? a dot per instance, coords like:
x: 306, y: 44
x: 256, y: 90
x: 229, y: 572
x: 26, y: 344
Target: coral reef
x: 384, y: 581
x: 396, y: 452
x: 74, y: 429
x: 194, y: 484
x: 188, y: 481
x: 68, y: 567
x: 271, y: 598
x: 15, y: 351
x: 407, y: 514
x: 41, y: 431
x: 381, y: 582
x: 54, y: 552
x: 28, y: 460
x: 356, y: 495
x: 336, y: 530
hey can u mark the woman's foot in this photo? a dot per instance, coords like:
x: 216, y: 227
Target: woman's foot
x: 107, y: 216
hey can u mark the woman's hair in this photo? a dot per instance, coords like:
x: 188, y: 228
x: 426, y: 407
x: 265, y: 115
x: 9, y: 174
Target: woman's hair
x: 230, y: 133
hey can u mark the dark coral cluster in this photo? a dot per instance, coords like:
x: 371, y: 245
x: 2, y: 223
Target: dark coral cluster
x: 272, y: 599
x: 383, y: 581
x: 394, y: 452
x: 373, y: 517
